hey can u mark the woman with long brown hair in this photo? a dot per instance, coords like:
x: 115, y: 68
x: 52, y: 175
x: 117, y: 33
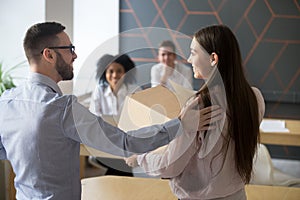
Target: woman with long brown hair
x: 215, y: 163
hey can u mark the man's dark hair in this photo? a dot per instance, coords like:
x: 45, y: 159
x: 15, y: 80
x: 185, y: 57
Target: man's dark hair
x: 168, y: 43
x: 40, y: 36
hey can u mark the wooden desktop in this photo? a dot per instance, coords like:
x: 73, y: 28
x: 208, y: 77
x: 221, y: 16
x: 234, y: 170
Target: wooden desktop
x: 292, y: 138
x: 135, y: 188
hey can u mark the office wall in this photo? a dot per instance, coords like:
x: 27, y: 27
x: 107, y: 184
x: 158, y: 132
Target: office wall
x: 268, y: 33
x: 15, y: 17
x: 90, y: 24
x: 96, y: 29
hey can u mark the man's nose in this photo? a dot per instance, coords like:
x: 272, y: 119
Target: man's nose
x: 166, y: 57
x: 74, y: 56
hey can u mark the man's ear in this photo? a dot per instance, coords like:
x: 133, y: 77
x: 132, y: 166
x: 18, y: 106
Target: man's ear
x: 49, y: 55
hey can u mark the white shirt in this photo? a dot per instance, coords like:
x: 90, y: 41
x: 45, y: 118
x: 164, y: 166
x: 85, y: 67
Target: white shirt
x: 105, y: 102
x: 182, y: 75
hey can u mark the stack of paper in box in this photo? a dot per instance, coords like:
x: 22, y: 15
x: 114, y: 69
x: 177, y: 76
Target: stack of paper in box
x: 270, y: 125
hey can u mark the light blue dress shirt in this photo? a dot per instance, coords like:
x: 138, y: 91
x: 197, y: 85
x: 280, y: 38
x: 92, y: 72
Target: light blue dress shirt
x: 41, y: 131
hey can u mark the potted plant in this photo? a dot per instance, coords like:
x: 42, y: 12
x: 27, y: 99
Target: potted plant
x: 6, y: 79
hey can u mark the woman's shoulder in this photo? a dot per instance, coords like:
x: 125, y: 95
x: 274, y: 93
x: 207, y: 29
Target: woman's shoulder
x: 260, y: 102
x: 255, y: 89
x: 257, y: 92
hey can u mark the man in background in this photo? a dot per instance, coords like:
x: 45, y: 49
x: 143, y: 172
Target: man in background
x: 170, y: 69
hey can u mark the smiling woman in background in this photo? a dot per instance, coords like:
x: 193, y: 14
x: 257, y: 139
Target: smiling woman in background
x: 113, y: 86
x: 116, y: 79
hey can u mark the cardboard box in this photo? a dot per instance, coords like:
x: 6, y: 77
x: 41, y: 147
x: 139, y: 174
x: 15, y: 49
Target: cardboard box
x: 147, y: 107
x: 155, y: 105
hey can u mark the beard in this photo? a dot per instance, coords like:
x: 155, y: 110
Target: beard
x: 63, y: 69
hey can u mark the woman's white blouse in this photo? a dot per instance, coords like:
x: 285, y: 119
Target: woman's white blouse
x: 105, y: 102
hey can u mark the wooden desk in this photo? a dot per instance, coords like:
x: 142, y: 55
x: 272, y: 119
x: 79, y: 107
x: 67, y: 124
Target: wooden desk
x: 134, y: 188
x: 120, y: 187
x: 264, y: 192
x: 291, y: 139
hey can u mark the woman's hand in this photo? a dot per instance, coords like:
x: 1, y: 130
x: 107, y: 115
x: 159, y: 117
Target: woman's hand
x: 208, y: 116
x: 167, y: 72
x: 194, y: 119
x: 190, y: 116
x: 131, y: 161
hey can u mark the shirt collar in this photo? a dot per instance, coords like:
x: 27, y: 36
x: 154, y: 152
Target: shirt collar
x: 37, y: 77
x: 108, y: 91
x: 175, y: 64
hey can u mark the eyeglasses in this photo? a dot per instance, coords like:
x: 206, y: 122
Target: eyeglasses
x: 70, y: 47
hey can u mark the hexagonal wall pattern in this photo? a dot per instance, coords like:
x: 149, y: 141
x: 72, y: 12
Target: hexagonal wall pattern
x: 268, y: 32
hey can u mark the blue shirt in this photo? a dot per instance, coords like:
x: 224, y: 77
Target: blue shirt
x: 41, y: 131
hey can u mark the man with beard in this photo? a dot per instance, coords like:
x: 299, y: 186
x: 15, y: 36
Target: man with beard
x: 41, y: 129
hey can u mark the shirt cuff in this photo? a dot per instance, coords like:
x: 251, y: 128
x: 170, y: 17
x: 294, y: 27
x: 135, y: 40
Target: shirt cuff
x: 174, y: 128
x: 140, y: 158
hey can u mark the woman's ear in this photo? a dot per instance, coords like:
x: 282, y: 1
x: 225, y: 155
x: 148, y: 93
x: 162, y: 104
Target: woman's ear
x: 214, y: 59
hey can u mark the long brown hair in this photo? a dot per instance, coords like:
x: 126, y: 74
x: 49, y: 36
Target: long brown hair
x: 242, y: 107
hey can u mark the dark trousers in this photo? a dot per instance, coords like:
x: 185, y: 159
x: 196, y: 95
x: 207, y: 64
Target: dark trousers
x: 115, y: 166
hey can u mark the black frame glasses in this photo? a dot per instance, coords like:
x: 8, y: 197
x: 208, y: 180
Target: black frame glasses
x: 70, y: 47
